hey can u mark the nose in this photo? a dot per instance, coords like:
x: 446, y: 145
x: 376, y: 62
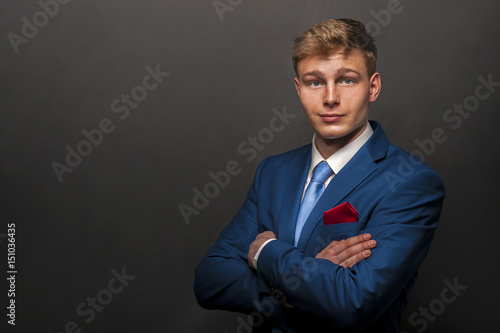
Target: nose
x: 331, y: 98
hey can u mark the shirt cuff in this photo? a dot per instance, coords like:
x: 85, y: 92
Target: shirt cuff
x: 259, y: 251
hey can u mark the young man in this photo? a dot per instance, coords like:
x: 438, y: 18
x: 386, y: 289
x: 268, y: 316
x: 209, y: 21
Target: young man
x: 331, y: 235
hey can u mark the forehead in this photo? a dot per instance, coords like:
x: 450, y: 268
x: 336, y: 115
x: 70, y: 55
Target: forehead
x: 333, y: 61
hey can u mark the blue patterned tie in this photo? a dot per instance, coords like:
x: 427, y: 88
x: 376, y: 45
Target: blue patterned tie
x: 313, y: 192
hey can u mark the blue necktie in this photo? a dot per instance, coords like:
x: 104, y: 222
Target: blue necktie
x: 313, y: 192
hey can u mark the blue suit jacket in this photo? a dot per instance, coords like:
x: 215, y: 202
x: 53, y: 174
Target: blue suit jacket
x: 398, y: 199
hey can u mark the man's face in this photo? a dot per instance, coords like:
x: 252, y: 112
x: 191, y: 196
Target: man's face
x: 335, y: 92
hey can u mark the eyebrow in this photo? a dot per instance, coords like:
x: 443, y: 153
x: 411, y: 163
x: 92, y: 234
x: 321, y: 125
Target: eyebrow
x: 314, y: 73
x: 344, y: 70
x: 339, y: 72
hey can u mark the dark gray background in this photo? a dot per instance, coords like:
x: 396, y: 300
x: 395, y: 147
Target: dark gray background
x: 119, y: 207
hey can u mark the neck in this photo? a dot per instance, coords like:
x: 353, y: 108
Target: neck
x: 328, y: 147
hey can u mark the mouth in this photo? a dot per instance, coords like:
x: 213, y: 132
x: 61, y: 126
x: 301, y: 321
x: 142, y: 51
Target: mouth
x: 331, y: 118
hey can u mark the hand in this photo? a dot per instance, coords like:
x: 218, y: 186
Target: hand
x: 349, y: 251
x: 256, y: 244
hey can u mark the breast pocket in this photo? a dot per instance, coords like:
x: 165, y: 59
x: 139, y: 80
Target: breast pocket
x: 350, y: 228
x: 336, y: 232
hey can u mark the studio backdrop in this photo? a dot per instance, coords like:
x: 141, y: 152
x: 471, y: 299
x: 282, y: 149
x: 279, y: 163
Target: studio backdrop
x: 130, y: 132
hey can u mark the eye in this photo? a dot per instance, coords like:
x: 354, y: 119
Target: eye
x: 347, y: 81
x: 314, y: 84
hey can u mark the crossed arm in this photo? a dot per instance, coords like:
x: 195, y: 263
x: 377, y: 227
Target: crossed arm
x: 224, y: 281
x: 345, y: 253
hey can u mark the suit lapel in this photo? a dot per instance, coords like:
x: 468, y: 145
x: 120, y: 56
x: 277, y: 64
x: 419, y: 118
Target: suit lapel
x: 360, y: 167
x: 295, y: 181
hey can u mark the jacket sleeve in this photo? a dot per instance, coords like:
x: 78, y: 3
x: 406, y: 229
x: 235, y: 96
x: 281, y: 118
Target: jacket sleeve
x: 223, y: 279
x: 403, y: 224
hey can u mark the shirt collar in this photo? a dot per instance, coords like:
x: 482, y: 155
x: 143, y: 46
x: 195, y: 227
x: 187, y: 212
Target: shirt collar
x: 340, y: 158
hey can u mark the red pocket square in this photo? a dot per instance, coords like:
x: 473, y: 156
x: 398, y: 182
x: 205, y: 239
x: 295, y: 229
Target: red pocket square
x: 341, y: 214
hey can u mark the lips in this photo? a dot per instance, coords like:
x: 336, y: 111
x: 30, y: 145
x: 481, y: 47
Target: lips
x: 330, y: 118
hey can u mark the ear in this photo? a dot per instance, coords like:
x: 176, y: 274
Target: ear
x: 375, y: 87
x: 296, y: 82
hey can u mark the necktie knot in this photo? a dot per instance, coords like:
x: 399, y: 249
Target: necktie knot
x: 321, y: 172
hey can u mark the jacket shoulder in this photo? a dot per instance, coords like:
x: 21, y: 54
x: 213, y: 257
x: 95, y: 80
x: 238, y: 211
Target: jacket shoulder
x: 402, y: 165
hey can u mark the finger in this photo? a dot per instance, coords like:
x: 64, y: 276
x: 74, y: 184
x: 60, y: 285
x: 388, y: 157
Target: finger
x: 336, y: 247
x: 355, y: 250
x: 357, y: 239
x: 266, y: 234
x: 269, y: 234
x: 357, y: 258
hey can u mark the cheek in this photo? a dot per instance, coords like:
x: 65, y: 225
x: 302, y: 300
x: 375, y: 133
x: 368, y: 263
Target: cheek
x: 357, y: 98
x: 308, y: 103
x: 307, y: 96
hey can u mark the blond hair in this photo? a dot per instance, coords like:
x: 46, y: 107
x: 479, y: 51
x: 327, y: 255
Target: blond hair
x: 331, y: 34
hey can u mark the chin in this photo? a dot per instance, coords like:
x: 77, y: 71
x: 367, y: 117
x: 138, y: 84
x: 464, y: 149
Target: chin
x: 332, y: 136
